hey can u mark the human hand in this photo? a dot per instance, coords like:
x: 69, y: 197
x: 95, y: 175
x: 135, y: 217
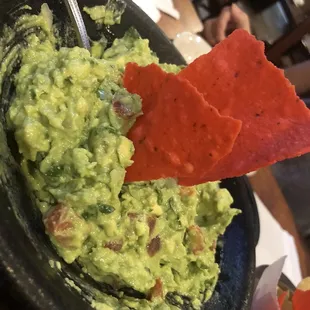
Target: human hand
x: 230, y: 18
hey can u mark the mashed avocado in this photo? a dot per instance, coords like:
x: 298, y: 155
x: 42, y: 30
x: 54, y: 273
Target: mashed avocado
x: 108, y: 14
x: 70, y: 115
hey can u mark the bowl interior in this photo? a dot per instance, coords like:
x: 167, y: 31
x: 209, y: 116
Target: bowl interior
x: 25, y: 250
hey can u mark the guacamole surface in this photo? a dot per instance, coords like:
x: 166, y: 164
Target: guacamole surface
x: 70, y: 116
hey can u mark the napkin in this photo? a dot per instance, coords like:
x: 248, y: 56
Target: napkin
x: 265, y: 296
x: 274, y: 242
x: 167, y: 7
x: 153, y: 7
x: 149, y: 7
x: 299, y: 2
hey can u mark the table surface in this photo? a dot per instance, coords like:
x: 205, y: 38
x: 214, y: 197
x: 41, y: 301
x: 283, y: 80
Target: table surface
x: 263, y: 182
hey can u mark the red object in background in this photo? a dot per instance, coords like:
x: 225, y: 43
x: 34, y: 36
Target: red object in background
x: 301, y: 300
x: 281, y: 298
x: 238, y: 80
x: 180, y: 134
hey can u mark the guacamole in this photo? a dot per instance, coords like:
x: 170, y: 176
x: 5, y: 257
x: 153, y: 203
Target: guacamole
x: 108, y: 14
x: 70, y: 115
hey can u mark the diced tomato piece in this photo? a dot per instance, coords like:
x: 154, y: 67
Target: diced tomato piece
x: 58, y: 224
x: 187, y: 191
x: 123, y: 110
x: 132, y: 215
x: 195, y: 239
x: 213, y: 246
x: 68, y: 228
x: 151, y: 222
x: 115, y: 245
x: 157, y: 290
x: 154, y: 246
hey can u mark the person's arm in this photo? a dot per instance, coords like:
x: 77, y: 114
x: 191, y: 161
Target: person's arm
x: 299, y: 76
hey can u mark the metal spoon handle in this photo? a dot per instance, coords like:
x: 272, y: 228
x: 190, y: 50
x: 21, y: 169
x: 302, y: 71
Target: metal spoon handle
x: 78, y: 23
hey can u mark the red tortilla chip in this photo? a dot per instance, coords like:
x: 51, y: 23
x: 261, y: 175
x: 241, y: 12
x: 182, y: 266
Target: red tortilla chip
x: 236, y: 78
x: 180, y: 135
x: 144, y: 81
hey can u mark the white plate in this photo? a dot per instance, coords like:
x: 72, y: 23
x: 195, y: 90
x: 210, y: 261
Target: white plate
x: 191, y: 46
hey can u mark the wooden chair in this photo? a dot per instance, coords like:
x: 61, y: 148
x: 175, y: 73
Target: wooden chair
x: 275, y: 52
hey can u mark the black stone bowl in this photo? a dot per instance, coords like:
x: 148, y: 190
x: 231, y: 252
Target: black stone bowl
x: 25, y: 249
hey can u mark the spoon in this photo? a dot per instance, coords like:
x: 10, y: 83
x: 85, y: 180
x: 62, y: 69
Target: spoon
x: 78, y: 23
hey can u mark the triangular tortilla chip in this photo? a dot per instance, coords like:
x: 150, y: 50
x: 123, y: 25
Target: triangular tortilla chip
x: 181, y: 134
x: 144, y: 81
x: 238, y: 80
